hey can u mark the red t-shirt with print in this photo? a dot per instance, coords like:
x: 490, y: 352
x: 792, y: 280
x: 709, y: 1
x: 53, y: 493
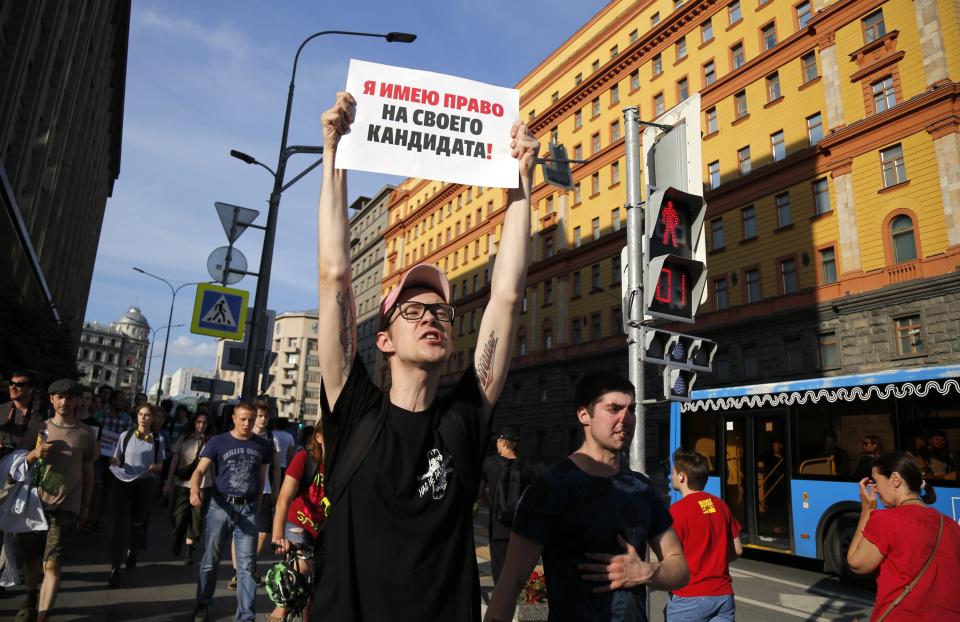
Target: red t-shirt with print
x: 906, y: 535
x: 706, y: 528
x: 307, y: 509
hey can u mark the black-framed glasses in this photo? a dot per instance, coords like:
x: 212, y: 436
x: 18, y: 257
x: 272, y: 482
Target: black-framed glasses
x: 413, y: 310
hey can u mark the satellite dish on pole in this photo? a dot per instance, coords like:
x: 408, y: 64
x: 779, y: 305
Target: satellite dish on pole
x: 218, y: 266
x: 235, y: 219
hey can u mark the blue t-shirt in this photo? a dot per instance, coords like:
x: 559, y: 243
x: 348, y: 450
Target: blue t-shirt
x: 571, y: 514
x: 238, y: 463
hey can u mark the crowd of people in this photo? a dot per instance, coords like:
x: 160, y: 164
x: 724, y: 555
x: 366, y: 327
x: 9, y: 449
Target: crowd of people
x: 385, y: 489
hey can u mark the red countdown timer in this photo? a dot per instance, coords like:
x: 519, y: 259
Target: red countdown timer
x: 672, y: 294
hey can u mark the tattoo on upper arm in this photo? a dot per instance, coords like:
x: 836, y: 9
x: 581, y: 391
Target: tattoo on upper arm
x: 345, y: 302
x: 485, y: 366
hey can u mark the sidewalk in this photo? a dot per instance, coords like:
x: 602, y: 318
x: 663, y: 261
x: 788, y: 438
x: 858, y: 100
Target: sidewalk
x: 161, y: 588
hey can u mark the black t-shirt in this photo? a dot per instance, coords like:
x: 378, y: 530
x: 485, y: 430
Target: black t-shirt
x: 400, y: 535
x: 491, y: 477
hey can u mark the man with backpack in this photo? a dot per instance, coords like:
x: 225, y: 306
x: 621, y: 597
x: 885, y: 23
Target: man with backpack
x: 505, y: 477
x: 403, y: 464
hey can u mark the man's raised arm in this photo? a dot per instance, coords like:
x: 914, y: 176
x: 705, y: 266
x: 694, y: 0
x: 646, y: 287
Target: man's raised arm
x: 336, y: 310
x: 492, y: 358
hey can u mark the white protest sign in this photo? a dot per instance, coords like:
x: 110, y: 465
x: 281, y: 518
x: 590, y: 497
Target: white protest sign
x: 429, y: 125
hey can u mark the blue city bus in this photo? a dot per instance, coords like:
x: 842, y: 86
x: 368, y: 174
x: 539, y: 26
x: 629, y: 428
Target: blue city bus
x: 786, y: 456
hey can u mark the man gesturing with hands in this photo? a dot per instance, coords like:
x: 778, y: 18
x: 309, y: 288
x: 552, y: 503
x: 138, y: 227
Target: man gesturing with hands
x: 403, y: 465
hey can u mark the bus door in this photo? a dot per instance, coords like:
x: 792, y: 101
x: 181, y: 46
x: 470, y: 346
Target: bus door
x: 756, y: 478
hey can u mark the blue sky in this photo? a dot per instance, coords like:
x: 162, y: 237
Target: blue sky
x: 207, y: 77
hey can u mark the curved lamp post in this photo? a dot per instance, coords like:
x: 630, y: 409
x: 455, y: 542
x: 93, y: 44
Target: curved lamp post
x: 146, y: 378
x: 254, y: 354
x: 166, y: 342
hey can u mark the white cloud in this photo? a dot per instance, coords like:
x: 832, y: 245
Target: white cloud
x: 188, y: 347
x: 222, y: 39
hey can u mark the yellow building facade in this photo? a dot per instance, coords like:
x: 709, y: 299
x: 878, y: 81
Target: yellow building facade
x: 831, y: 160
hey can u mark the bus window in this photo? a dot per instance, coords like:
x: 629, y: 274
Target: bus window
x: 930, y: 433
x: 699, y: 434
x: 829, y: 438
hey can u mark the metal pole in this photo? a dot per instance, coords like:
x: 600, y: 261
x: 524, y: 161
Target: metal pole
x: 166, y: 342
x: 631, y: 117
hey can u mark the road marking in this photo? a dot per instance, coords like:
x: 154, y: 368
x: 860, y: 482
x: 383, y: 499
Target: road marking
x: 822, y: 604
x: 800, y: 586
x: 791, y: 612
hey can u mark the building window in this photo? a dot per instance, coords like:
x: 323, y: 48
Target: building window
x: 547, y: 247
x: 595, y: 226
x: 706, y: 31
x: 773, y: 87
x: 596, y: 331
x: 595, y: 66
x: 595, y: 183
x: 614, y: 173
x: 740, y: 104
x: 555, y: 97
x: 784, y: 214
x: 655, y: 19
x: 712, y: 123
x: 547, y: 338
x: 681, y: 48
x: 716, y: 234
x: 828, y: 265
x: 808, y: 64
x: 595, y: 142
x: 748, y: 217
x: 615, y: 218
x: 752, y: 278
x: 578, y: 119
x: 804, y: 15
x: 873, y: 26
x: 751, y: 361
x: 576, y: 283
x: 737, y: 57
x: 721, y: 298
x: 902, y: 239
x: 788, y: 276
x: 658, y: 105
x: 709, y: 73
x: 614, y: 51
x: 713, y: 174
x: 768, y: 36
x: 743, y: 160
x: 616, y: 271
x: 577, y: 337
x: 595, y: 107
x: 634, y: 35
x: 733, y: 12
x: 521, y: 344
x: 891, y: 163
x: 829, y: 350
x: 578, y: 152
x: 884, y: 96
x: 657, y: 65
x: 793, y: 348
x: 909, y: 330
x: 548, y: 292
x: 815, y: 128
x: 778, y: 146
x: 634, y: 79
x: 683, y: 89
x: 577, y: 194
x: 615, y: 131
x: 577, y: 79
x: 821, y: 196
x: 615, y: 94
x: 576, y: 237
x: 595, y: 277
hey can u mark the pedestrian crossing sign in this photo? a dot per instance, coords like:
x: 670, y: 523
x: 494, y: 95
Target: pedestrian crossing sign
x: 220, y: 312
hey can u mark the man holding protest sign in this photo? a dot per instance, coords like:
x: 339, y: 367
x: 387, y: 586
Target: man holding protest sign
x: 403, y: 467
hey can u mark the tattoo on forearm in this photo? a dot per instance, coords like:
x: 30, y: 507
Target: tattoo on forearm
x: 485, y: 366
x: 345, y: 302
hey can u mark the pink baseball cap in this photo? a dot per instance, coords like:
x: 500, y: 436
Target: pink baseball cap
x: 426, y: 276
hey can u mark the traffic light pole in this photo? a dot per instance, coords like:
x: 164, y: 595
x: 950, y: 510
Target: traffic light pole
x: 634, y: 301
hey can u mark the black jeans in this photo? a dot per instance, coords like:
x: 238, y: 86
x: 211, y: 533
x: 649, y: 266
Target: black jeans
x: 132, y: 501
x: 188, y: 520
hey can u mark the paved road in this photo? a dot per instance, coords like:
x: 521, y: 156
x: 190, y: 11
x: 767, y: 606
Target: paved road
x: 161, y: 589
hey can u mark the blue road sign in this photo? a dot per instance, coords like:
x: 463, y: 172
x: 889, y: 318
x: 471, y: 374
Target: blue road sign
x: 220, y: 312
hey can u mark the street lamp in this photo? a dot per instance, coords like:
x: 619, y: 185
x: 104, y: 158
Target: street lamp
x: 166, y: 342
x: 254, y: 353
x: 146, y: 380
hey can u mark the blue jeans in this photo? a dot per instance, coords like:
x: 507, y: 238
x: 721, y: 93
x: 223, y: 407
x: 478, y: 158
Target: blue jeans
x: 224, y: 518
x: 700, y: 609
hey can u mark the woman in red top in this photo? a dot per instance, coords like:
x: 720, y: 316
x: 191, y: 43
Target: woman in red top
x: 900, y: 539
x: 301, y: 505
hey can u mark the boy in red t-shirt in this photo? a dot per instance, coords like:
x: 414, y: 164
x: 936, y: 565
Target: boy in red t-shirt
x: 711, y: 540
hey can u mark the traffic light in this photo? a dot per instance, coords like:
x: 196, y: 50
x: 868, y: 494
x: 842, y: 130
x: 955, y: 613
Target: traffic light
x: 662, y: 347
x: 676, y: 271
x: 678, y: 383
x: 674, y: 254
x: 556, y: 170
x: 701, y: 354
